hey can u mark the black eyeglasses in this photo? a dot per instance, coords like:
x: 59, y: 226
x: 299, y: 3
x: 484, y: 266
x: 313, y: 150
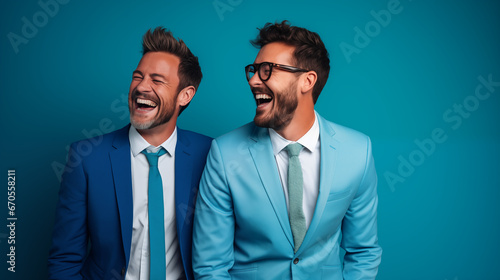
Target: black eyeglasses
x: 266, y: 68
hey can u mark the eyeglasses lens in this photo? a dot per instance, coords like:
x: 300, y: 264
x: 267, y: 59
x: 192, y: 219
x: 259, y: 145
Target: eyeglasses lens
x: 264, y: 71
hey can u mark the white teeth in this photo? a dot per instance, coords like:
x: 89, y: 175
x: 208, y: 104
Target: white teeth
x: 146, y: 102
x: 262, y: 96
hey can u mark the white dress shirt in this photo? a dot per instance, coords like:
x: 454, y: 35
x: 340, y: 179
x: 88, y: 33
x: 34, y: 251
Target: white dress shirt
x: 138, y: 267
x: 309, y: 160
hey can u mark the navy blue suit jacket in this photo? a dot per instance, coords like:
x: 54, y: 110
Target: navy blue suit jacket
x: 93, y: 227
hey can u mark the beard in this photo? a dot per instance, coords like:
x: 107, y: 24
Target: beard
x: 165, y: 112
x: 284, y: 105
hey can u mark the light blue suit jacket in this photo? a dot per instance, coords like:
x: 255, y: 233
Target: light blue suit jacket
x: 241, y: 225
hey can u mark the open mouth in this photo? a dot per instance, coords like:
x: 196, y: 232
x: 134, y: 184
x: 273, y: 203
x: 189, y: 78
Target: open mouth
x: 145, y: 104
x: 262, y: 99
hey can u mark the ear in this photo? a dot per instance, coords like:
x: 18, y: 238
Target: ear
x: 308, y: 81
x: 185, y: 95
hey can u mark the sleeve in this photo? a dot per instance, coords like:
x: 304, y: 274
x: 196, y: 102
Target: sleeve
x: 359, y: 227
x: 213, y: 232
x: 70, y: 235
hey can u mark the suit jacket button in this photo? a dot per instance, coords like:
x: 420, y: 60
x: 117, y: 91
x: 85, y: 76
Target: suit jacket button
x: 296, y: 261
x: 123, y: 271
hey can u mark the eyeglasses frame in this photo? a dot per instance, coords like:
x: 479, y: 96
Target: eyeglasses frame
x: 283, y: 67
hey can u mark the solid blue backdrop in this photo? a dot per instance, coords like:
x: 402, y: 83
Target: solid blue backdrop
x: 421, y: 78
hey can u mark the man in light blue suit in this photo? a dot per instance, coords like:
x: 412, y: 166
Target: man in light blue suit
x: 109, y: 222
x: 281, y: 195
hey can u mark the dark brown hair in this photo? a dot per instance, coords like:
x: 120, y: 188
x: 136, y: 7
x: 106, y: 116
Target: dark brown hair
x: 162, y: 40
x: 310, y: 52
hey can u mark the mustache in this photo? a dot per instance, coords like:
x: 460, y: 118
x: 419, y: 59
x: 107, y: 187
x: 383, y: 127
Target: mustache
x: 259, y: 90
x: 136, y: 94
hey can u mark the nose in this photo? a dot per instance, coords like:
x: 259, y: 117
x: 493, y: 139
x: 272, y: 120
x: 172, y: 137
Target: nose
x: 255, y: 81
x: 144, y: 85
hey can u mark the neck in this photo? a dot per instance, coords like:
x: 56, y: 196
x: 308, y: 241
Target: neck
x: 302, y: 121
x: 159, y: 134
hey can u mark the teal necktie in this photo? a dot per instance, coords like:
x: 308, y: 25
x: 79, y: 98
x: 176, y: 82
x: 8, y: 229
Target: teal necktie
x: 295, y: 186
x: 157, y: 266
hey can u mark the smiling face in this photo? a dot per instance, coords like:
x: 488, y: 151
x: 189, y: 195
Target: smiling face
x: 153, y: 91
x: 276, y: 98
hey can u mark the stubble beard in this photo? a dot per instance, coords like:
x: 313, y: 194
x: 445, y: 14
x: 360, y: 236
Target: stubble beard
x: 163, y: 116
x: 285, y: 104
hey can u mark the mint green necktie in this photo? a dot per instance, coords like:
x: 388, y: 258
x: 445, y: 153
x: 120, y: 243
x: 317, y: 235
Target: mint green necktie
x: 295, y: 187
x: 157, y: 266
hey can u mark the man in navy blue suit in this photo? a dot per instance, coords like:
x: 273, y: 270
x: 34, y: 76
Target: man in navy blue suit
x: 102, y: 228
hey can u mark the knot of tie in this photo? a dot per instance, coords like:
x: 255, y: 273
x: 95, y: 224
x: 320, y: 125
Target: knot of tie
x: 153, y: 157
x: 293, y: 149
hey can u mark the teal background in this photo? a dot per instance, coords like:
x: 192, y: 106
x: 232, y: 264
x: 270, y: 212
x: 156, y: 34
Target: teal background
x: 440, y: 222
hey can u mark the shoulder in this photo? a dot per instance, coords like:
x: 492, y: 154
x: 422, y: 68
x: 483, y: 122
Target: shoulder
x: 347, y: 141
x: 341, y: 133
x: 194, y: 135
x: 196, y: 140
x: 96, y: 150
x: 102, y: 142
x: 238, y: 135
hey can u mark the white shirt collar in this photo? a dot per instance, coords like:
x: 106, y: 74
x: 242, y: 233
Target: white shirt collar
x: 309, y: 140
x: 138, y: 143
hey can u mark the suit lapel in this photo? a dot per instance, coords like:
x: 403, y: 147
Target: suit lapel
x: 263, y: 157
x: 183, y: 175
x: 122, y: 177
x: 327, y: 170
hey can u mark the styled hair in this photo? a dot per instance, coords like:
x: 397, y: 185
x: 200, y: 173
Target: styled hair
x: 162, y: 40
x: 310, y: 52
